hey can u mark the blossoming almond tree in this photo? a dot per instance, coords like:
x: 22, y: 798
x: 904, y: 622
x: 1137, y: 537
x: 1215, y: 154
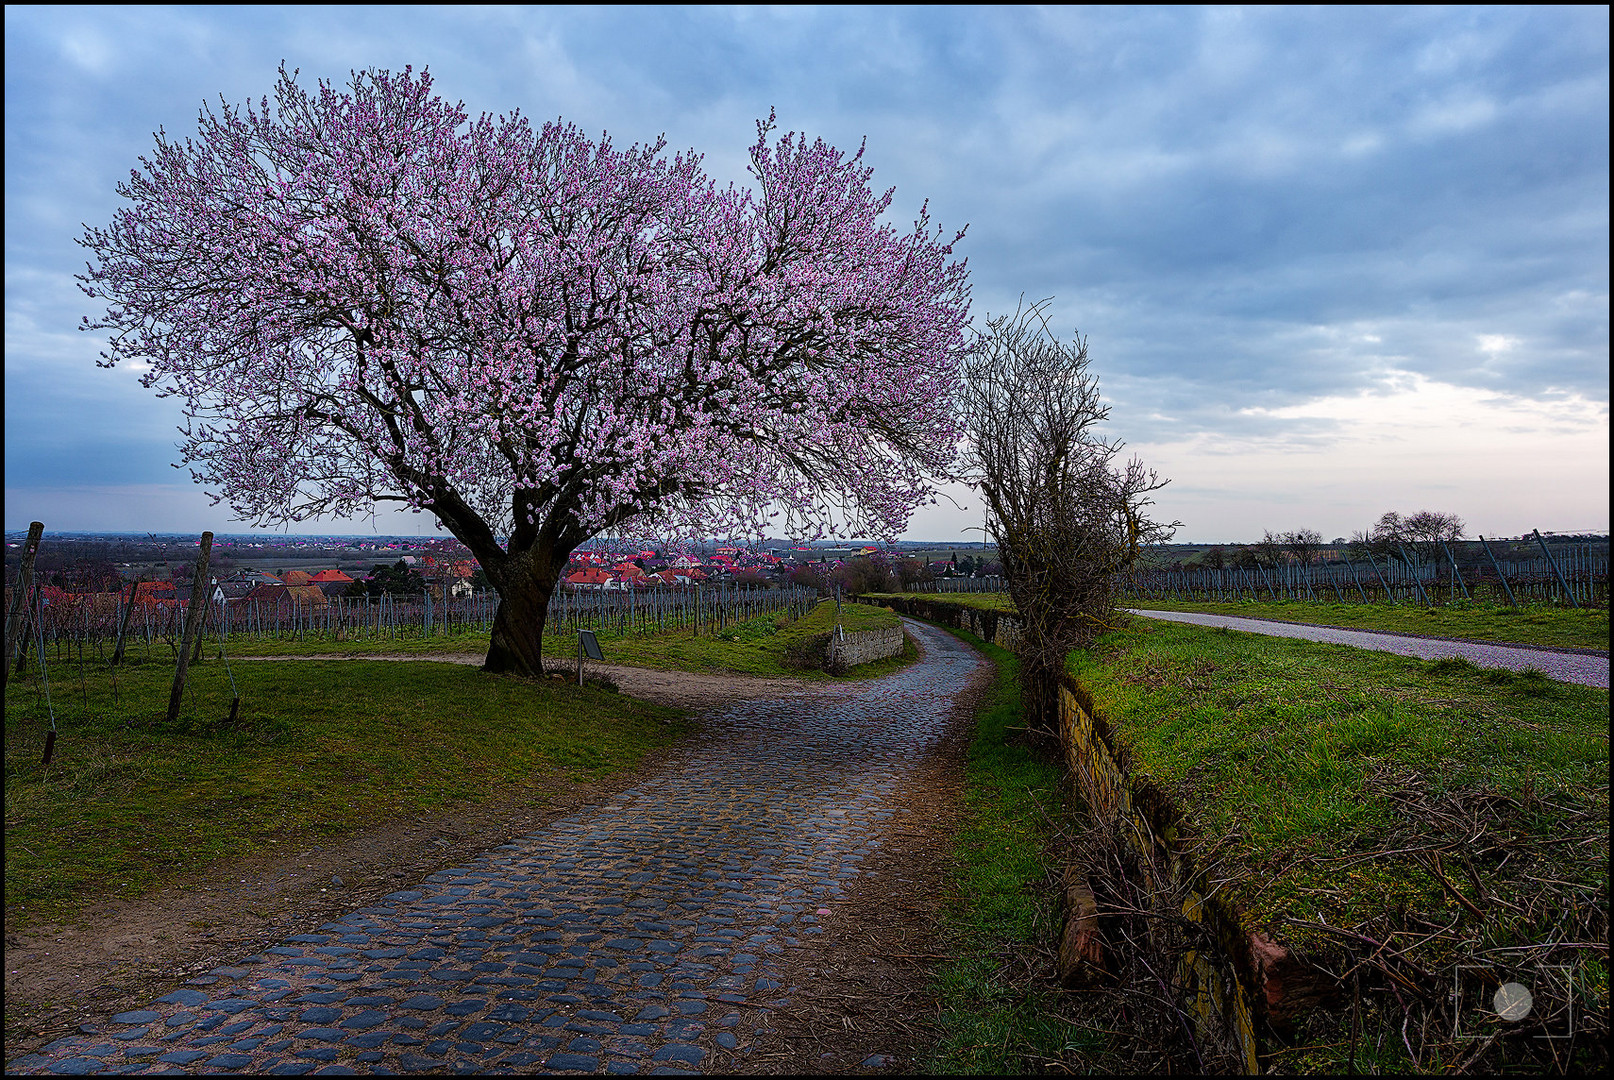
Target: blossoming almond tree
x: 362, y: 296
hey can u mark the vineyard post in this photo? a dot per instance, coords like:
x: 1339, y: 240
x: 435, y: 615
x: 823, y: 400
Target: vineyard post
x: 1412, y: 570
x: 123, y: 624
x: 201, y: 631
x: 1555, y: 571
x: 17, y: 617
x: 1356, y: 580
x: 1389, y: 593
x: 1501, y: 576
x: 198, y: 585
x: 1455, y: 573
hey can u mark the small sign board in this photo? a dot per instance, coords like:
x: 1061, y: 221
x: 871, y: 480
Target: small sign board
x: 589, y: 644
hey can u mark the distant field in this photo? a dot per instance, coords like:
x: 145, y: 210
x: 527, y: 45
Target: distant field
x: 1540, y: 624
x: 764, y: 645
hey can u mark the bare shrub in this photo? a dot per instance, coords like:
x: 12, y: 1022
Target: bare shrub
x: 1067, y: 520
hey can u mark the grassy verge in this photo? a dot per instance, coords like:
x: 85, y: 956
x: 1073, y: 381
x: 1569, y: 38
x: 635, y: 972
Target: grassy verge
x: 767, y: 645
x: 985, y: 601
x: 458, y: 642
x: 1354, y: 799
x: 317, y: 749
x: 1000, y: 1013
x: 1538, y: 624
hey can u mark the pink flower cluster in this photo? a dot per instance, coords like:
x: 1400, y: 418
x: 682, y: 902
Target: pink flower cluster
x: 363, y: 295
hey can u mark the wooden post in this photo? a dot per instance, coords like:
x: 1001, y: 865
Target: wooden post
x: 17, y: 618
x: 201, y: 624
x: 199, y: 599
x: 123, y: 626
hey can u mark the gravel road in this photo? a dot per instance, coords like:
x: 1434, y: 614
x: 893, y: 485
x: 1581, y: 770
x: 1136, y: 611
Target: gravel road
x: 1582, y: 668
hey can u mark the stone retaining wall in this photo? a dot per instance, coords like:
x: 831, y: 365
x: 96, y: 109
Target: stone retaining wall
x: 863, y: 647
x: 1000, y: 629
x: 1214, y: 979
x: 1219, y: 980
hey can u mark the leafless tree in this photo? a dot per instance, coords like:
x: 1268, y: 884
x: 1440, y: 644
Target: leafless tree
x: 1415, y: 539
x: 1303, y: 544
x: 1067, y: 520
x: 1269, y: 549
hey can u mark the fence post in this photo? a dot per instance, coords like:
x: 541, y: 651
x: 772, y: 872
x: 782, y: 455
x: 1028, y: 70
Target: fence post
x: 1389, y: 593
x: 199, y: 584
x: 1356, y: 580
x: 17, y: 617
x: 1555, y: 571
x: 1455, y: 573
x: 1412, y: 571
x: 1500, y: 575
x: 123, y: 624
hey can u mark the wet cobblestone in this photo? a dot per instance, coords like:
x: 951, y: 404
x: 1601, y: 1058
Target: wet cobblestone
x: 637, y: 937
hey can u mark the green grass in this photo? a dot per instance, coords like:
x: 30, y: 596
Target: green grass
x: 1539, y: 624
x: 994, y: 1020
x: 768, y: 645
x: 458, y: 642
x: 760, y: 646
x: 318, y: 748
x: 985, y: 601
x: 1326, y: 775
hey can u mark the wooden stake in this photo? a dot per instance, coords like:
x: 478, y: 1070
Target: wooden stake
x: 17, y: 618
x: 123, y: 628
x: 199, y: 599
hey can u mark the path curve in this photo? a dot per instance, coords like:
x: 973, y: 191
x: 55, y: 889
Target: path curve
x: 685, y: 689
x: 643, y: 935
x: 1574, y: 667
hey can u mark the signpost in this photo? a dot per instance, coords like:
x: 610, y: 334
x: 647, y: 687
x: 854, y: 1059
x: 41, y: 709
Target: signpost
x: 589, y: 645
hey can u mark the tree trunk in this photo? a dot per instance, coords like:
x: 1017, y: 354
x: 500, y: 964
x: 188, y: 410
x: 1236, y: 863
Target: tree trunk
x: 525, y: 586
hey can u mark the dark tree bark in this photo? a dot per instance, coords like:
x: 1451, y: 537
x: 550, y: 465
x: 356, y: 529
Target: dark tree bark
x: 525, y: 584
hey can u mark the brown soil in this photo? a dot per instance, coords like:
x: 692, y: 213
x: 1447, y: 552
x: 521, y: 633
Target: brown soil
x: 863, y: 1000
x: 862, y: 983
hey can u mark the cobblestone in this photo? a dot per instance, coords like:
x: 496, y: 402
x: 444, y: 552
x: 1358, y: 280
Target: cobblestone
x: 596, y: 944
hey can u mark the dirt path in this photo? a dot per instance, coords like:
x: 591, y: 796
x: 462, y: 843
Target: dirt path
x: 865, y: 968
x: 684, y: 689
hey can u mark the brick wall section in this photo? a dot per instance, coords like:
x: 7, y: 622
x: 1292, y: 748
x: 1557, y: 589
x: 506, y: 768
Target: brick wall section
x: 862, y: 647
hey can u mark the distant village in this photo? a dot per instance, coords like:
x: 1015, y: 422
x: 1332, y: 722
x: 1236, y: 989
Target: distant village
x: 96, y: 570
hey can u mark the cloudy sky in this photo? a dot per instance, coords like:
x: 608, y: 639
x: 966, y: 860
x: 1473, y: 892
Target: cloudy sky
x: 1329, y: 262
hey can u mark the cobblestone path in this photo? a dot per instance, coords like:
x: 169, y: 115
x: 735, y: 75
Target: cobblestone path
x: 639, y: 936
